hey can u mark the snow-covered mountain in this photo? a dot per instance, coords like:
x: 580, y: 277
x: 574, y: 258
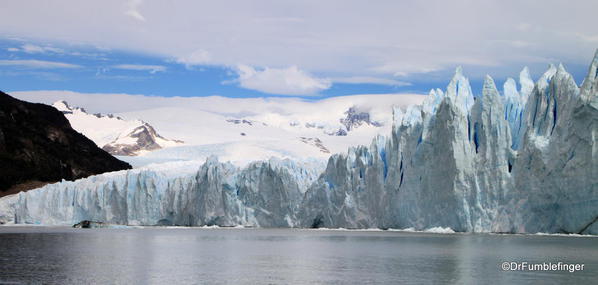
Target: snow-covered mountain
x: 245, y: 130
x: 453, y: 162
x: 114, y: 134
x: 355, y: 119
x: 240, y: 130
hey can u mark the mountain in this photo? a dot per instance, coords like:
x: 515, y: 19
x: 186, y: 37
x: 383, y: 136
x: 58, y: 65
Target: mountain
x: 114, y: 134
x: 355, y: 119
x: 452, y: 162
x: 38, y: 145
x: 240, y: 130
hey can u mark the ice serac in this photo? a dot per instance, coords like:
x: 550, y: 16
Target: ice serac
x: 457, y: 165
x: 424, y: 172
x: 556, y: 175
x: 521, y: 162
x: 515, y: 102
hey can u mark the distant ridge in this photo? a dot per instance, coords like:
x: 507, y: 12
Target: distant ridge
x: 114, y: 134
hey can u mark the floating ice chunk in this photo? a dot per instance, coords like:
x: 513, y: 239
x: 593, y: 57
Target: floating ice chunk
x: 440, y: 230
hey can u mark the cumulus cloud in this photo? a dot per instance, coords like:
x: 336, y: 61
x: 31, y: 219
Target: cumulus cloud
x: 281, y: 81
x: 141, y: 67
x: 37, y: 64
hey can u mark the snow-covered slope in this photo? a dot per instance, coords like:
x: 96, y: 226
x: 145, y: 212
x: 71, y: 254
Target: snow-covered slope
x: 244, y: 130
x: 239, y: 130
x: 449, y: 163
x: 114, y: 134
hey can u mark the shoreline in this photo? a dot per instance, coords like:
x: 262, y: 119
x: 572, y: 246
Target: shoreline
x: 434, y: 231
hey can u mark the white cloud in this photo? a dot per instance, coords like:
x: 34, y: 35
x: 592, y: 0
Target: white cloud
x: 48, y: 49
x: 30, y: 48
x: 33, y: 49
x: 588, y: 38
x: 37, y: 64
x: 408, y: 38
x: 133, y: 10
x: 197, y: 57
x: 524, y: 27
x: 369, y: 80
x: 117, y: 103
x: 281, y: 81
x: 141, y: 67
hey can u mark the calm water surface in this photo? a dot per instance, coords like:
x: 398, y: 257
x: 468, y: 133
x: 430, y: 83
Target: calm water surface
x: 281, y: 256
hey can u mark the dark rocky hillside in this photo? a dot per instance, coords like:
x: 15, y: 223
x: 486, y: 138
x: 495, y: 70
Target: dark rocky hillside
x: 38, y: 146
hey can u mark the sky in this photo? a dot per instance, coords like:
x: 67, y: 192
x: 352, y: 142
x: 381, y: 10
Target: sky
x: 309, y: 49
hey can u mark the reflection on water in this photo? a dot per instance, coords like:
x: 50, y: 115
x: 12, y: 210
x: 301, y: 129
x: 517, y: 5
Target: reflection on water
x: 250, y: 256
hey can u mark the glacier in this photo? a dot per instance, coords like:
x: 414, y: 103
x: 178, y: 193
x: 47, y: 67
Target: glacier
x: 264, y: 193
x: 520, y: 161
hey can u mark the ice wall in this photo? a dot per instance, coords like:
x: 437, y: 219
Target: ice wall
x: 523, y: 161
x: 265, y: 193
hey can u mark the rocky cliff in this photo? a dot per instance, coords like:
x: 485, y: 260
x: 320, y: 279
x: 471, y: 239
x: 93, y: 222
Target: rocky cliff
x: 38, y: 145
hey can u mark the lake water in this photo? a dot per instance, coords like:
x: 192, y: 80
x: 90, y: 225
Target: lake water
x: 282, y: 256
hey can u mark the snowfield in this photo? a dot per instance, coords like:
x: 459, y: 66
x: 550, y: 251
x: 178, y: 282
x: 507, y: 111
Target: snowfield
x: 236, y: 130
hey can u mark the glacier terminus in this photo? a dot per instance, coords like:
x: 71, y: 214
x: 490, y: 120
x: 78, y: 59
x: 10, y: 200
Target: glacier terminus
x: 521, y: 161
